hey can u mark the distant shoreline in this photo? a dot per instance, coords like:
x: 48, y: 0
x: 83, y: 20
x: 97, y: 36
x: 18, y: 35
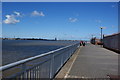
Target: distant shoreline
x: 28, y: 39
x: 35, y: 39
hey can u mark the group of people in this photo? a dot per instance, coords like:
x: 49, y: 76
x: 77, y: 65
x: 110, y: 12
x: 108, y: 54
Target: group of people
x: 82, y: 43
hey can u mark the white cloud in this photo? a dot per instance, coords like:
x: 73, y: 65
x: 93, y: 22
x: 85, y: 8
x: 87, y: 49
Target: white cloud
x: 113, y: 6
x: 36, y: 13
x: 103, y: 27
x: 10, y: 19
x: 73, y: 19
x: 17, y: 13
x: 113, y: 26
x: 41, y: 14
x: 98, y: 21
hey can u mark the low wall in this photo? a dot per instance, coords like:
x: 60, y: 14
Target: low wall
x: 112, y: 42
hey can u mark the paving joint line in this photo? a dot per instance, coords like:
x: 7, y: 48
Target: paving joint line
x: 72, y: 64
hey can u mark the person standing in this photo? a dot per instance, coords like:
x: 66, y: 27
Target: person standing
x: 81, y: 43
x: 84, y: 43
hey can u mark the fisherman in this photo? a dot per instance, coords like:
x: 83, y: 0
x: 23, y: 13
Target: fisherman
x: 81, y: 43
x: 84, y: 43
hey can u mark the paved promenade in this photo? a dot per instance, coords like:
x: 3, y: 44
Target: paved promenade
x: 90, y: 62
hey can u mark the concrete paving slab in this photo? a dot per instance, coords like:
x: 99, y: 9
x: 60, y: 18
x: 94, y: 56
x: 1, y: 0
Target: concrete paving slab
x: 91, y: 62
x: 95, y: 62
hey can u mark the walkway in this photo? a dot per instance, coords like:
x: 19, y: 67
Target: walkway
x: 91, y: 62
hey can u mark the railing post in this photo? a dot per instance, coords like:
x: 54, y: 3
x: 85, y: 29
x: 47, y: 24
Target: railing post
x: 52, y: 66
x: 62, y: 59
x: 69, y: 52
x: 24, y: 70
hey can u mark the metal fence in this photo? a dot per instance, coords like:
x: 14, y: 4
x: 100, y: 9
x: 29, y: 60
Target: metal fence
x: 41, y: 66
x: 112, y: 42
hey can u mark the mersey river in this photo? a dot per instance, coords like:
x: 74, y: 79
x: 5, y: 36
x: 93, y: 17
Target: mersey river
x: 15, y: 50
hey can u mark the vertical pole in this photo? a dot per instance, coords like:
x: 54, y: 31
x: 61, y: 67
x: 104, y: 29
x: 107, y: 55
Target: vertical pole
x: 101, y: 36
x: 61, y: 59
x: 52, y: 66
x: 24, y: 70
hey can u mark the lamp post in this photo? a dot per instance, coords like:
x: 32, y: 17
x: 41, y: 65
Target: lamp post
x: 101, y: 33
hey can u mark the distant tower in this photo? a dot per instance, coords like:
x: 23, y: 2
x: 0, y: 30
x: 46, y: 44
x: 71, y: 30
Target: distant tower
x: 55, y: 39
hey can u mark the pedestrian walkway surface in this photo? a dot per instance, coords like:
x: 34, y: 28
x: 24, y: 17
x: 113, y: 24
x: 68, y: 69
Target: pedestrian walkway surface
x: 93, y: 62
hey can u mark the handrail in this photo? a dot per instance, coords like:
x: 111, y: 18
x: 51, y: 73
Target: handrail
x: 2, y: 68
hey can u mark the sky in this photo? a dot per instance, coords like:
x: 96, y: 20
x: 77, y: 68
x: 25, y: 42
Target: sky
x: 63, y: 20
x: 60, y: 0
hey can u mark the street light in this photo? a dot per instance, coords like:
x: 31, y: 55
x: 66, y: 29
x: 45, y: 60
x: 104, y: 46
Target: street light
x: 102, y: 33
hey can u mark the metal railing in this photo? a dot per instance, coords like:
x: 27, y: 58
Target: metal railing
x: 41, y: 66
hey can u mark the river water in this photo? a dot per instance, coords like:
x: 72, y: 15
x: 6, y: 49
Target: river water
x: 15, y: 50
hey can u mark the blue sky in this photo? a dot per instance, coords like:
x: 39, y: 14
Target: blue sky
x: 64, y: 20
